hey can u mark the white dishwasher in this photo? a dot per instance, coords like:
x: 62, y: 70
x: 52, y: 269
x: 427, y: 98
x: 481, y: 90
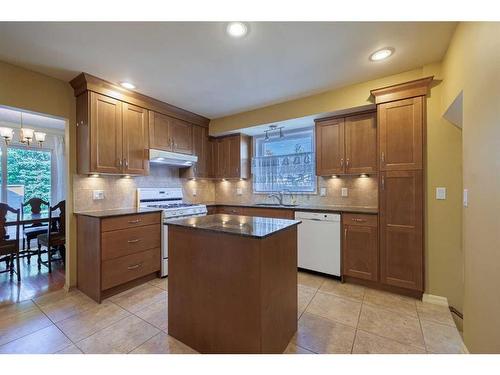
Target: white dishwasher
x: 319, y: 242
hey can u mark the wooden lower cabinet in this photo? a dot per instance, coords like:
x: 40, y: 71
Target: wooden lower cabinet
x: 360, y: 246
x: 401, y: 234
x: 113, y: 252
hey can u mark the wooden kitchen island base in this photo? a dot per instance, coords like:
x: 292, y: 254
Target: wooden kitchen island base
x: 232, y: 293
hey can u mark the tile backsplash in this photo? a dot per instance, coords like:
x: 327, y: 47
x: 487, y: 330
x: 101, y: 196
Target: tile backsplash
x: 120, y: 192
x: 362, y: 191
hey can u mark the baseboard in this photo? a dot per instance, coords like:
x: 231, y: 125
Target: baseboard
x: 436, y: 300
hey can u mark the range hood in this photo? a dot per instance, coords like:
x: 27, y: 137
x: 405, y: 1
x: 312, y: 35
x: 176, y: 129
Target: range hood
x: 172, y: 158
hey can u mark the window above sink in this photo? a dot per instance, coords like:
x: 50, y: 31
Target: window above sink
x: 285, y: 163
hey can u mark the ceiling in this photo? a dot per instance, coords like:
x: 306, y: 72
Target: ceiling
x: 12, y: 117
x: 196, y: 66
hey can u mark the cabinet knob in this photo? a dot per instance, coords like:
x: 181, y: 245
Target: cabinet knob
x: 126, y: 163
x: 341, y: 162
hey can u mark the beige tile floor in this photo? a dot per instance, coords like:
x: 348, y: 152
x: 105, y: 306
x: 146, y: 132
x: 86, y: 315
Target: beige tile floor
x: 333, y: 318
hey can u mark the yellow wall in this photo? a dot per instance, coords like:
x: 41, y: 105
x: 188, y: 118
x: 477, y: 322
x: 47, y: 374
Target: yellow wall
x: 32, y: 91
x: 472, y: 64
x: 443, y: 229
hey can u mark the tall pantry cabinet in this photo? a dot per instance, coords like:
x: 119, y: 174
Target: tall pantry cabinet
x: 401, y: 145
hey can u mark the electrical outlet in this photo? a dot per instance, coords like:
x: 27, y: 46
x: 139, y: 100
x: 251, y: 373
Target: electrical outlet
x: 97, y: 194
x: 322, y: 192
x: 194, y: 192
x: 441, y: 193
x: 239, y: 191
x: 466, y: 197
x: 345, y: 192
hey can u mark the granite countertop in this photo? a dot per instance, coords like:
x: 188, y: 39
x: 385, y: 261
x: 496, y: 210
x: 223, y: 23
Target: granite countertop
x: 249, y: 226
x: 118, y: 212
x: 304, y: 207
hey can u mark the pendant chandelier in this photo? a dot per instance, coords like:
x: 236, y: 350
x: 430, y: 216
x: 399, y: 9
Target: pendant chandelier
x: 26, y: 135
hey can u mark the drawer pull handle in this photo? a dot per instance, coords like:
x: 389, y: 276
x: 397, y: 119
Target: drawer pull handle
x: 134, y: 221
x: 134, y: 241
x: 359, y: 220
x: 134, y: 267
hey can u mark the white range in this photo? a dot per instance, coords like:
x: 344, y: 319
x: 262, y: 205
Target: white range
x: 170, y: 200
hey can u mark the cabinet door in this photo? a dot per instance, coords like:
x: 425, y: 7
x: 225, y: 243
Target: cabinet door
x: 135, y: 140
x: 213, y: 157
x: 401, y: 218
x: 360, y: 248
x: 106, y: 134
x: 234, y: 157
x: 330, y: 147
x: 400, y: 134
x: 222, y: 158
x: 361, y: 143
x: 201, y: 149
x: 159, y: 137
x: 181, y: 133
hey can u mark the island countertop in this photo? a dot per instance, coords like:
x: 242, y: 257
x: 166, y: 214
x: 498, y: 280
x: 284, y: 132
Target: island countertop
x: 250, y: 226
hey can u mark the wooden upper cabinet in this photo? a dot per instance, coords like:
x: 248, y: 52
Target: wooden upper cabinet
x: 401, y: 224
x: 112, y: 136
x: 213, y: 157
x: 360, y: 246
x: 229, y: 157
x: 361, y: 143
x: 170, y: 134
x: 135, y: 140
x: 330, y: 147
x: 181, y: 133
x: 105, y: 135
x: 159, y: 137
x: 201, y: 149
x: 401, y: 125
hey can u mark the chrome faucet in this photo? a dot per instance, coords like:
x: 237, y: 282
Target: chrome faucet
x: 278, y: 196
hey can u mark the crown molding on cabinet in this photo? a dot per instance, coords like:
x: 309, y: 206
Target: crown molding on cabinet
x: 86, y: 82
x: 418, y: 87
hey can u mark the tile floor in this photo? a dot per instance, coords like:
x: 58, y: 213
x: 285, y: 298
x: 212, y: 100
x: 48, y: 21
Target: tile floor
x: 333, y: 318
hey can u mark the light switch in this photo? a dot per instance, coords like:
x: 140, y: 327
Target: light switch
x: 345, y: 192
x: 441, y: 193
x: 322, y: 192
x: 466, y: 197
x: 239, y: 191
x: 97, y: 194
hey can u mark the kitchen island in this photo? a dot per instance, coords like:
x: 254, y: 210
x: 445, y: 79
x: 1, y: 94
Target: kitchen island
x: 233, y: 283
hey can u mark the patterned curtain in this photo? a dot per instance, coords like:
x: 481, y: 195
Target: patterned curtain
x: 292, y: 172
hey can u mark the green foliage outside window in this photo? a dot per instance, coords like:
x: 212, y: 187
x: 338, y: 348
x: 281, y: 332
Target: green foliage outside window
x: 31, y: 168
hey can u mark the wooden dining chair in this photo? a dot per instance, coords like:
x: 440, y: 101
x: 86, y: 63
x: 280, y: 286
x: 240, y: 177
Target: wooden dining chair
x: 32, y: 231
x: 9, y: 247
x: 55, y: 237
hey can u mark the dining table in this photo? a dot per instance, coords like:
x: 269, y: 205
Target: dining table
x: 29, y: 218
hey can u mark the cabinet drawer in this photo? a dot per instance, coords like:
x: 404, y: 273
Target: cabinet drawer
x: 130, y: 221
x: 129, y: 241
x: 121, y: 270
x: 360, y: 219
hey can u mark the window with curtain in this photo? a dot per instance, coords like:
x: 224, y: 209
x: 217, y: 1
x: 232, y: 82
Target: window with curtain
x: 285, y: 164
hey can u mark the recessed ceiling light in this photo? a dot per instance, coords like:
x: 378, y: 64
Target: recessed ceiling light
x: 237, y: 29
x: 127, y: 85
x: 381, y: 54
